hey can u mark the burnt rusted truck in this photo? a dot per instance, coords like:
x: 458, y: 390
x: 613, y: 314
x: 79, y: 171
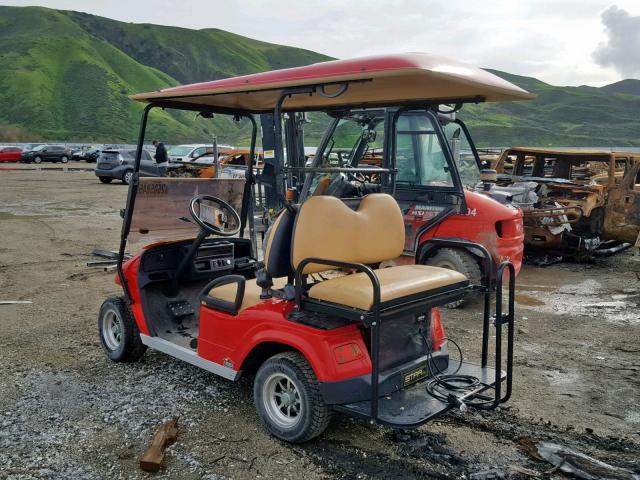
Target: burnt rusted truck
x: 581, y: 203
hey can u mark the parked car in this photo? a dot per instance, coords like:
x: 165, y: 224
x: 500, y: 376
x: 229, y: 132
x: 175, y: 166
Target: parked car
x: 118, y: 164
x: 50, y: 153
x: 77, y: 155
x: 10, y: 154
x: 199, y: 153
x: 89, y: 153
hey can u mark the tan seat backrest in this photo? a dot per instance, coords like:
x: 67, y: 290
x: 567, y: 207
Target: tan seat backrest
x: 327, y: 228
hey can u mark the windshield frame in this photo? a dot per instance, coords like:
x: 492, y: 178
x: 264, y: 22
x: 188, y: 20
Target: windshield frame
x: 457, y: 188
x: 443, y: 118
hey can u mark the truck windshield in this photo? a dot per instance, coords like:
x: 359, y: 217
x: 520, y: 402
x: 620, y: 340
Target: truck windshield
x: 462, y: 154
x: 179, y: 151
x: 420, y: 159
x: 342, y: 149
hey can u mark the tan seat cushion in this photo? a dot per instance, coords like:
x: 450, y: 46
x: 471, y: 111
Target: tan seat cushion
x: 395, y: 282
x: 251, y: 292
x: 327, y: 228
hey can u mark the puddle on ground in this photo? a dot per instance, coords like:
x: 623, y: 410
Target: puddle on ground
x: 587, y: 298
x: 522, y: 299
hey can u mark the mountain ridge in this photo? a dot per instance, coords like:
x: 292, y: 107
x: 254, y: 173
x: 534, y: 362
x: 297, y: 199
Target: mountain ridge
x: 66, y: 75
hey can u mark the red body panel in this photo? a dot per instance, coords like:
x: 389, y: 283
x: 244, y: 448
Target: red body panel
x: 228, y: 340
x: 130, y: 269
x: 10, y: 156
x: 479, y: 225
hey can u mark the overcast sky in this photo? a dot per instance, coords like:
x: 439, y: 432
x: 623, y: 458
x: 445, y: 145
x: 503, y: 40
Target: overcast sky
x: 563, y: 42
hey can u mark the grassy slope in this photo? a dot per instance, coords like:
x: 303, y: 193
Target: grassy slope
x: 59, y: 82
x: 559, y: 116
x: 66, y: 76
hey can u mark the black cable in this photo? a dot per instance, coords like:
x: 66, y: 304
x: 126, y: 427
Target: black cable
x: 444, y: 386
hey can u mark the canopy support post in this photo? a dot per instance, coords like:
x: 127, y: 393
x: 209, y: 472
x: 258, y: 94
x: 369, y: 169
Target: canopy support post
x: 131, y: 200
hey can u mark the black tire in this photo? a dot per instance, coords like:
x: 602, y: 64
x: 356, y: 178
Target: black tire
x: 105, y: 179
x: 461, y: 261
x: 127, y: 177
x: 64, y: 159
x: 314, y: 414
x: 126, y: 345
x: 37, y: 159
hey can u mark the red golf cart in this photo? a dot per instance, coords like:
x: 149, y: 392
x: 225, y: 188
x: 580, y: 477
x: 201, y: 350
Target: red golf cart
x: 318, y: 320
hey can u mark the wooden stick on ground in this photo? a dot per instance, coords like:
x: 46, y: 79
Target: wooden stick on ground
x: 153, y: 457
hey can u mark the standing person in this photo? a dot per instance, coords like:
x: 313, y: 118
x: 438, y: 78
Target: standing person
x: 162, y: 159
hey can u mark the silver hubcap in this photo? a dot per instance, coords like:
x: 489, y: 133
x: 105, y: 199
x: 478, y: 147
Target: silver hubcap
x: 127, y: 177
x: 281, y: 400
x: 112, y: 329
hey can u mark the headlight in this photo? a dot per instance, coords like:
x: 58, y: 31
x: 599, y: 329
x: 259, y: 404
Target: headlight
x: 120, y: 159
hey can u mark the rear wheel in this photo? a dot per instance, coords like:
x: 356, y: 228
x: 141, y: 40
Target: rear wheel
x: 105, y: 179
x: 288, y: 399
x: 119, y: 334
x: 461, y: 261
x: 64, y: 159
x: 127, y: 177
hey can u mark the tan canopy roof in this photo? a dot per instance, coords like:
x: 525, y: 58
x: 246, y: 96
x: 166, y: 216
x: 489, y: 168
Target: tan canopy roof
x: 374, y: 81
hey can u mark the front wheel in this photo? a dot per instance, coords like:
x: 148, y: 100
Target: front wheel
x: 288, y: 399
x: 119, y: 334
x: 105, y: 179
x: 461, y: 261
x: 37, y: 159
x: 64, y: 159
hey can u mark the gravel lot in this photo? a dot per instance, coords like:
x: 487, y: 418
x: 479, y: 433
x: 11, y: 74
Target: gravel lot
x: 66, y: 411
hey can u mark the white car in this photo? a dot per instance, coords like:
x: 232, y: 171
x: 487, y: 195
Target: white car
x: 193, y: 153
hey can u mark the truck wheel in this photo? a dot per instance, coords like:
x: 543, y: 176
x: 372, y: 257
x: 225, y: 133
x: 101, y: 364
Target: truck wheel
x: 64, y: 159
x: 461, y: 261
x: 118, y: 331
x: 105, y: 179
x: 127, y: 177
x: 288, y: 399
x: 37, y: 159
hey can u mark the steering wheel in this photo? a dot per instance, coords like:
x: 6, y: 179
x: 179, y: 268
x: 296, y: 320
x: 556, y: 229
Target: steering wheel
x: 214, y: 216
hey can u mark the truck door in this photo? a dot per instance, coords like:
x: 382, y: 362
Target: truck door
x: 622, y: 213
x: 426, y: 183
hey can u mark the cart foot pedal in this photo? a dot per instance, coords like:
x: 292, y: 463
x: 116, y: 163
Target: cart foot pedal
x: 180, y: 308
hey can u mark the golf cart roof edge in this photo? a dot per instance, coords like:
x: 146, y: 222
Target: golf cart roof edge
x: 376, y: 80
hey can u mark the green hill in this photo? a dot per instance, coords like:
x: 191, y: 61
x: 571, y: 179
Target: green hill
x: 66, y: 76
x: 559, y: 116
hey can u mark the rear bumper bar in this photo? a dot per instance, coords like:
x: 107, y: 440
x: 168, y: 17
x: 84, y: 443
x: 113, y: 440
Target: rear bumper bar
x: 413, y: 406
x: 358, y: 389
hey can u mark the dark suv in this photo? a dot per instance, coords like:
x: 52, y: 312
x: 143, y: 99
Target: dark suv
x: 118, y: 164
x: 50, y: 153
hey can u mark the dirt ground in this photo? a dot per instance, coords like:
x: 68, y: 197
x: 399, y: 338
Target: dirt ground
x: 66, y: 411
